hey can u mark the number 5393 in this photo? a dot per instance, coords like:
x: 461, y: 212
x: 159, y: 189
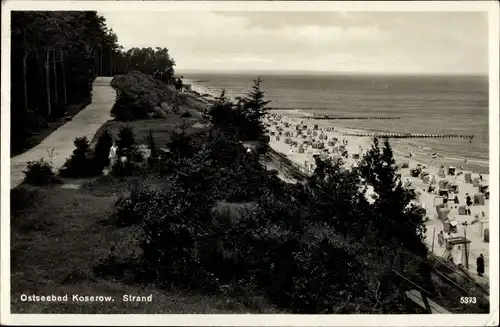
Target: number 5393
x: 467, y: 300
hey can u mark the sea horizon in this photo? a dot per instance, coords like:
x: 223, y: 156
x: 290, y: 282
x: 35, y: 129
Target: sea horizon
x: 329, y: 73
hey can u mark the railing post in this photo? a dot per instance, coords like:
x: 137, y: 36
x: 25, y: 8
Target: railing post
x: 426, y: 302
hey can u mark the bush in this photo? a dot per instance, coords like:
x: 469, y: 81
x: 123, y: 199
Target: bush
x: 127, y: 168
x: 181, y: 143
x: 40, y: 173
x: 171, y: 225
x: 101, y: 152
x: 139, y: 94
x: 122, y: 110
x: 130, y: 209
x: 306, y: 282
x: 81, y: 163
x: 126, y: 141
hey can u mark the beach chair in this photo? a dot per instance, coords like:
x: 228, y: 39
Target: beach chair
x: 462, y: 210
x: 483, y: 188
x: 479, y: 199
x: 443, y: 193
x: 443, y: 184
x: 453, y: 188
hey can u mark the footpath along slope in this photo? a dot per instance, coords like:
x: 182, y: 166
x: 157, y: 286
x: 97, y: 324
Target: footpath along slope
x: 85, y: 123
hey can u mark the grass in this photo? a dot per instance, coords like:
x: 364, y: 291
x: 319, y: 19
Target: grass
x: 56, y: 242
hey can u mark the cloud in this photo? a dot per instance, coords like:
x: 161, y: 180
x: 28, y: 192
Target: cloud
x: 428, y: 42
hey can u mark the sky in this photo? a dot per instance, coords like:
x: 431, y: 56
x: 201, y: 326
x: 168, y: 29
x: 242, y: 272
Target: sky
x: 354, y: 42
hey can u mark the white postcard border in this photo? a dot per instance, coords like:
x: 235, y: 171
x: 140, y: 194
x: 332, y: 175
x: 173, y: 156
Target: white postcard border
x: 256, y: 320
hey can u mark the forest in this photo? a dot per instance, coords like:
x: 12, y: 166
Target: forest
x: 55, y: 57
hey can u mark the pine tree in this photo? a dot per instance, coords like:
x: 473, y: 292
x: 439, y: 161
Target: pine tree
x: 101, y: 151
x: 126, y: 140
x: 152, y: 145
x: 180, y: 144
x: 255, y: 110
x: 226, y: 116
x: 394, y: 218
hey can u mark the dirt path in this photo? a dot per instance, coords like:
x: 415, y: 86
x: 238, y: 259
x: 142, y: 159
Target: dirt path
x: 85, y: 123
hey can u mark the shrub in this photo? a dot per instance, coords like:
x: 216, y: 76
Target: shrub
x: 101, y: 152
x: 130, y: 209
x: 40, y: 173
x: 126, y: 141
x: 138, y: 94
x: 122, y: 110
x: 181, y: 143
x: 171, y: 225
x: 305, y: 280
x: 127, y: 168
x: 81, y: 163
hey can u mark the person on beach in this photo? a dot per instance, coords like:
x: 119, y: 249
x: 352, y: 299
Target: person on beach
x: 430, y: 189
x: 480, y: 265
x: 441, y: 239
x: 456, y: 200
x: 113, y: 155
x: 468, y: 202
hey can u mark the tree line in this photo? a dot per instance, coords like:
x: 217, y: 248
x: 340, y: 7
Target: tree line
x: 56, y: 55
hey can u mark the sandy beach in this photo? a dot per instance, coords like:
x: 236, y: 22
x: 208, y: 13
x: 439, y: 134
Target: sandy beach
x: 286, y: 138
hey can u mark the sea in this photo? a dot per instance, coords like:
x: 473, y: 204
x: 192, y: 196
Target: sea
x: 424, y: 104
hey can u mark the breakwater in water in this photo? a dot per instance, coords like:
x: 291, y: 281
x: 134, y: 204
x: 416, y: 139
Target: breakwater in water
x: 347, y: 117
x: 411, y: 136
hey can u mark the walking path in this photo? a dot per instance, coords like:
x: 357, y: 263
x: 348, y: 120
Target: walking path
x: 85, y: 123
